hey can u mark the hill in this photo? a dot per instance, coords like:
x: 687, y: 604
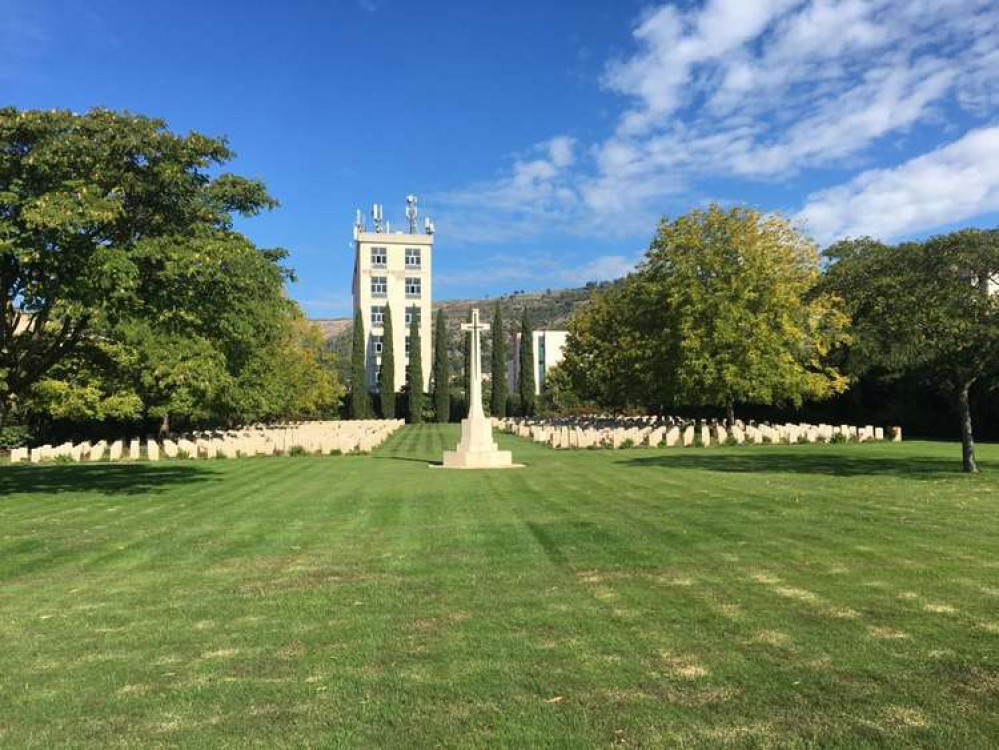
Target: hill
x: 551, y: 308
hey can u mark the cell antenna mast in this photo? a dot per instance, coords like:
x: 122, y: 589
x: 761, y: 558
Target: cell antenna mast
x: 411, y: 212
x: 376, y: 217
x: 358, y: 223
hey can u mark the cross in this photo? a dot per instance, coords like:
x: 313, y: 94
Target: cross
x: 475, y: 360
x: 475, y: 325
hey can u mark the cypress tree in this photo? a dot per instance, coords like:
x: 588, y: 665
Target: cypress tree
x: 526, y: 381
x: 497, y: 402
x: 415, y: 371
x: 442, y: 374
x: 467, y: 372
x: 386, y: 378
x: 360, y: 400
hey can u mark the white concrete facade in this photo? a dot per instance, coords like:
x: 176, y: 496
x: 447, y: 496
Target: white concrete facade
x: 394, y: 269
x: 549, y: 348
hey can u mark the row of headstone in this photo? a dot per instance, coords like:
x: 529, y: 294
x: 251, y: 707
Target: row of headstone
x: 325, y: 438
x: 621, y: 432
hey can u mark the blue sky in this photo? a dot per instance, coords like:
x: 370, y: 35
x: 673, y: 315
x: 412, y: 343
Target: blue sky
x: 546, y: 137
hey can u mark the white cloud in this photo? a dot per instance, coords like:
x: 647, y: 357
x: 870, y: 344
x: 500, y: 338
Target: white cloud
x: 673, y: 43
x: 759, y: 90
x: 955, y: 182
x: 602, y: 268
x: 535, y: 195
x: 540, y: 268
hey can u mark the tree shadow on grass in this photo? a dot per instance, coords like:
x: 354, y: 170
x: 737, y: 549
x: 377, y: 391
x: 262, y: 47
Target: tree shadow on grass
x: 413, y: 459
x: 832, y: 463
x: 106, y: 479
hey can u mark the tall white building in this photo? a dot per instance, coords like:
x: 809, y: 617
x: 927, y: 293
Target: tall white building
x: 548, y: 351
x: 394, y: 269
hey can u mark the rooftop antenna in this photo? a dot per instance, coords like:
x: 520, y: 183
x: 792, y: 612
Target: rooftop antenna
x: 428, y: 226
x: 376, y: 216
x: 411, y: 212
x: 358, y: 223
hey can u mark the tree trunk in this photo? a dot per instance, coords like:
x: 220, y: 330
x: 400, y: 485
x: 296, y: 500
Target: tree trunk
x: 967, y: 436
x: 730, y: 413
x: 165, y: 426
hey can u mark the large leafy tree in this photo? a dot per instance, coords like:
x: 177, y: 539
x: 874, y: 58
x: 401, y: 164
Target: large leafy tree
x: 497, y: 399
x: 386, y: 376
x: 927, y: 309
x: 414, y: 370
x: 526, y: 383
x: 295, y: 376
x: 360, y: 399
x: 103, y: 218
x: 722, y: 312
x: 613, y: 351
x: 442, y: 370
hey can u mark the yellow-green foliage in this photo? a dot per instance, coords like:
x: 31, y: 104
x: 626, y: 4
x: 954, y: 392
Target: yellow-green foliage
x: 722, y: 312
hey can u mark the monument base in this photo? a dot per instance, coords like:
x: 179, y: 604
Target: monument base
x: 479, y: 460
x: 477, y: 449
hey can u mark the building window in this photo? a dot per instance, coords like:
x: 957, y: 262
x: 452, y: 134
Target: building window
x: 412, y: 312
x: 414, y: 257
x: 376, y: 374
x: 379, y: 257
x: 377, y: 344
x: 407, y: 346
x: 377, y: 315
x: 379, y: 286
x: 413, y: 287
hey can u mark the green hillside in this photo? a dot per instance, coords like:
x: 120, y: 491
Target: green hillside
x: 551, y: 308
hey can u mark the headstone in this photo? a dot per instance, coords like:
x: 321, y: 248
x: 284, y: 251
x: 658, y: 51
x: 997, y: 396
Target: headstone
x: 97, y: 451
x: 114, y: 454
x: 152, y: 450
x: 705, y: 435
x: 169, y: 448
x: 18, y: 454
x: 896, y: 434
x: 672, y: 437
x: 688, y: 436
x: 134, y: 450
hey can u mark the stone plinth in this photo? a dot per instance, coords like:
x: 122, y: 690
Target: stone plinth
x: 477, y: 449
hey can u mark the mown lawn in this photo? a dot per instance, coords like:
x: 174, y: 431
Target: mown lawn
x: 798, y: 596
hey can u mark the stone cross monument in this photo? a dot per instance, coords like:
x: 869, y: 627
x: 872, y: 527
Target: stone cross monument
x: 476, y: 449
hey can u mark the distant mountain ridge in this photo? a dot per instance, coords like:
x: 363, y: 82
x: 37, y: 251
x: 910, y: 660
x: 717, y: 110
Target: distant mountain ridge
x: 551, y: 308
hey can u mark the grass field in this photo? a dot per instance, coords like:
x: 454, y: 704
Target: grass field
x: 797, y: 596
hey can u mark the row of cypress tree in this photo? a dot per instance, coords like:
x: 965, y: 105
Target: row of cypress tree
x: 361, y: 404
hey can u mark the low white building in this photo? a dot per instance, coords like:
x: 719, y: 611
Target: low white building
x: 548, y: 351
